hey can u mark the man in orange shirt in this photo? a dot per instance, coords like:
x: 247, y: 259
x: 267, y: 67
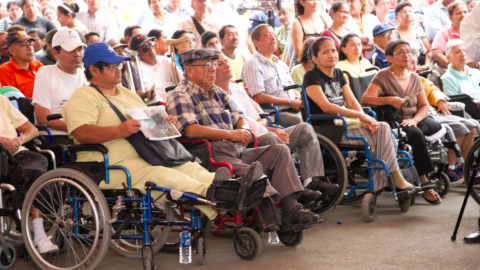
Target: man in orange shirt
x: 21, y: 70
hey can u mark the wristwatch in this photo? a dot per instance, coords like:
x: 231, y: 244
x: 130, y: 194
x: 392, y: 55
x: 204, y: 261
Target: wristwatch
x: 245, y: 127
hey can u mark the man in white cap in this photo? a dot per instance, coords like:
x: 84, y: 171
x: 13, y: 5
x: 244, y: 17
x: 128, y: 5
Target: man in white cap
x: 55, y: 84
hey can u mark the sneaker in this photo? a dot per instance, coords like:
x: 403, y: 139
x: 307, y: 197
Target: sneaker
x: 45, y: 245
x: 456, y: 176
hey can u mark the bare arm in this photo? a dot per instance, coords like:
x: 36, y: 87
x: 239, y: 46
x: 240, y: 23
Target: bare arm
x: 263, y: 98
x: 41, y: 116
x: 297, y: 37
x: 249, y: 43
x: 316, y: 94
x: 422, y: 107
x: 29, y: 132
x: 372, y: 97
x: 440, y: 57
x: 92, y: 134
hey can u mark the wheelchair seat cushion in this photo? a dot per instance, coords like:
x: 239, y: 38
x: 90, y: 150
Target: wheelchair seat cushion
x: 437, y: 135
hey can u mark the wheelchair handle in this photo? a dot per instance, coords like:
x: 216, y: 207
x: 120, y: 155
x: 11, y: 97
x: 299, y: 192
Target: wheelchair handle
x: 238, y: 81
x: 290, y: 87
x: 170, y: 88
x: 52, y: 117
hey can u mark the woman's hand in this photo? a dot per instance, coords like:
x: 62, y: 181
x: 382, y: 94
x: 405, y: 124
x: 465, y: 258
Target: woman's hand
x: 11, y: 145
x: 369, y: 123
x: 421, y: 68
x: 128, y: 128
x: 171, y: 119
x: 395, y: 102
x: 443, y: 107
x: 409, y: 122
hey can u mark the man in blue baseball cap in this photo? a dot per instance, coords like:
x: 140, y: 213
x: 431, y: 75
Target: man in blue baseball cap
x: 382, y: 34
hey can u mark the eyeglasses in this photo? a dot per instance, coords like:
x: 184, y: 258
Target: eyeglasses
x: 344, y: 12
x: 148, y: 45
x: 405, y: 12
x: 113, y: 66
x: 386, y: 35
x: 403, y: 53
x: 208, y: 65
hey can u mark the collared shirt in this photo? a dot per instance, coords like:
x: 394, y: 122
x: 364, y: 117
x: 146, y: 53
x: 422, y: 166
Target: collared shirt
x: 455, y: 83
x: 470, y: 33
x: 103, y: 22
x: 345, y: 65
x: 436, y: 18
x: 169, y: 25
x: 12, y: 75
x: 192, y: 106
x: 442, y: 37
x: 262, y: 76
x: 182, y: 13
x: 10, y: 120
x: 5, y: 23
x: 378, y: 58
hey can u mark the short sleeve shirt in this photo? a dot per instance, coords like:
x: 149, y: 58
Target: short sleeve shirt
x: 12, y: 75
x: 442, y: 37
x: 331, y: 87
x: 385, y: 80
x: 10, y: 120
x: 43, y: 24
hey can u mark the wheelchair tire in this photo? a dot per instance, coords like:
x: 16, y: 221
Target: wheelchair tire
x: 443, y: 183
x: 61, y: 187
x: 469, y: 165
x: 291, y: 238
x: 369, y: 207
x: 201, y: 250
x: 4, y: 265
x: 405, y: 204
x: 335, y: 173
x: 158, y: 235
x: 247, y: 244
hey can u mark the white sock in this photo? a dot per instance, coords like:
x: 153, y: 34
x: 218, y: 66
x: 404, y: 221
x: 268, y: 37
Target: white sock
x: 38, y: 230
x: 451, y: 167
x: 307, y: 181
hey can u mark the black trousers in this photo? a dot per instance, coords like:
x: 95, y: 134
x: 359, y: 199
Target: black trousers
x: 30, y: 166
x: 416, y: 139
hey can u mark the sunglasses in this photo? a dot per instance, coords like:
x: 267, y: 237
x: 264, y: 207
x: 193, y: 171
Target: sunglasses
x: 147, y: 46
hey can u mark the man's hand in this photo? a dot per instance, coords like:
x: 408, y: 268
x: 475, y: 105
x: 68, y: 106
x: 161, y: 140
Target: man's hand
x: 282, y: 135
x: 128, y: 128
x: 11, y: 145
x: 296, y: 104
x: 171, y: 119
x: 443, y: 107
x: 396, y: 102
x: 242, y: 136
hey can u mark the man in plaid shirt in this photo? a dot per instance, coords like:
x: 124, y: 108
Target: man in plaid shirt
x: 204, y: 110
x: 265, y: 75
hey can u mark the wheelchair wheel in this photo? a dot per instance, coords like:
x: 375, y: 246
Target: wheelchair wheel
x: 472, y: 161
x: 443, y: 182
x: 335, y: 173
x: 4, y: 264
x: 405, y: 204
x: 369, y: 207
x: 58, y: 194
x: 247, y: 244
x: 161, y: 211
x: 291, y: 238
x: 201, y: 250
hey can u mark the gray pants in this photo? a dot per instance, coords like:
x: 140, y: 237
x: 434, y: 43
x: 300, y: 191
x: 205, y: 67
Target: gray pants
x: 290, y: 119
x: 460, y: 126
x: 276, y: 160
x: 303, y: 140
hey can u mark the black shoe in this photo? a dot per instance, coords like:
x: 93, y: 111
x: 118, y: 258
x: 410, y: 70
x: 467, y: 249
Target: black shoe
x: 309, y: 196
x: 473, y: 238
x: 325, y: 188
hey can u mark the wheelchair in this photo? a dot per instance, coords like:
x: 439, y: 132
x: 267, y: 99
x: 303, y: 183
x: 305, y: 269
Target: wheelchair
x: 357, y: 158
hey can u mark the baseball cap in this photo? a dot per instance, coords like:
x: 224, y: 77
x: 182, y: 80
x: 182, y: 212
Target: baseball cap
x: 381, y: 28
x: 115, y: 44
x: 193, y: 55
x: 101, y: 52
x: 17, y: 37
x: 138, y: 40
x: 68, y: 39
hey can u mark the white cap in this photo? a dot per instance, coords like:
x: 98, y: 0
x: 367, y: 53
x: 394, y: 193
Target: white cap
x: 68, y: 39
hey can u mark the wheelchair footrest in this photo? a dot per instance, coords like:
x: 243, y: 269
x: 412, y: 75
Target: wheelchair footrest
x: 405, y: 195
x: 432, y: 184
x: 223, y: 193
x: 410, y: 174
x: 256, y: 192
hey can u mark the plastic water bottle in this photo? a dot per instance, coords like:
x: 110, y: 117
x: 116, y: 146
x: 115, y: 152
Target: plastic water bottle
x: 185, y: 246
x: 273, y: 238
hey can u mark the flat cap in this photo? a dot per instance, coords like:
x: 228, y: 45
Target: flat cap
x: 193, y: 55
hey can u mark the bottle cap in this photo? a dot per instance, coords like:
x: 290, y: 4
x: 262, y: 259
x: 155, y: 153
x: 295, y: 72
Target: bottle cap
x: 339, y: 223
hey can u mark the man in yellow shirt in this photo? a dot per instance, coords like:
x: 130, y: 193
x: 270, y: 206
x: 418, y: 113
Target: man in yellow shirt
x: 228, y: 35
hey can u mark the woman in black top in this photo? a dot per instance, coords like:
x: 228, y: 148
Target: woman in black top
x: 328, y: 92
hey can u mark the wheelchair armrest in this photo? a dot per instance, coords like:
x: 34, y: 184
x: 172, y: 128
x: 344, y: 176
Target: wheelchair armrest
x: 238, y: 81
x: 158, y: 103
x: 425, y: 73
x: 460, y: 97
x: 263, y: 105
x: 32, y: 143
x: 88, y: 147
x: 372, y: 69
x: 170, y: 88
x: 54, y: 117
x: 290, y: 87
x: 366, y: 108
x: 41, y: 127
x: 263, y: 115
x: 326, y: 116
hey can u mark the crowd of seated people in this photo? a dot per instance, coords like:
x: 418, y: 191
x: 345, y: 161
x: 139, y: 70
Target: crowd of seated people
x: 326, y: 40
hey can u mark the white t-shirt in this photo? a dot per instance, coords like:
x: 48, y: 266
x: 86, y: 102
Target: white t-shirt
x: 242, y: 100
x: 170, y: 25
x: 53, y: 88
x: 160, y: 75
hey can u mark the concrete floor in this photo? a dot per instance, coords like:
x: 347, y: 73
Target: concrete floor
x: 418, y: 239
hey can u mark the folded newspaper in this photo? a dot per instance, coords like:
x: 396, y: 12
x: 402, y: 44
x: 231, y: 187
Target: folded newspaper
x: 155, y: 125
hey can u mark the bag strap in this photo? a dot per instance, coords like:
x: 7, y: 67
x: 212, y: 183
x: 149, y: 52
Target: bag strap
x: 114, y: 108
x: 334, y: 36
x: 198, y: 26
x: 374, y: 56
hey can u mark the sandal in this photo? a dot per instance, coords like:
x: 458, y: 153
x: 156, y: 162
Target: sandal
x: 299, y: 218
x: 437, y: 201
